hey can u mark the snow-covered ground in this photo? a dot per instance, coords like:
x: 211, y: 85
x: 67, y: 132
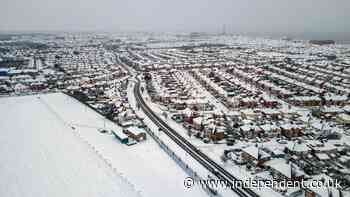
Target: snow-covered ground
x: 41, y: 156
x: 50, y: 146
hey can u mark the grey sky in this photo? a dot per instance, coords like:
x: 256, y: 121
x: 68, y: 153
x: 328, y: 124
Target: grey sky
x: 177, y: 15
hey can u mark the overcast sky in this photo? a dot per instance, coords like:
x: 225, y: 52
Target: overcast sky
x: 177, y: 15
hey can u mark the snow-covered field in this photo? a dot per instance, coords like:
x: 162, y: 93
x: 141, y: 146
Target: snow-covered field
x: 50, y: 146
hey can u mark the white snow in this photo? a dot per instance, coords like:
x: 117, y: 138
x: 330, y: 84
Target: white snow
x: 45, y: 156
x: 41, y: 156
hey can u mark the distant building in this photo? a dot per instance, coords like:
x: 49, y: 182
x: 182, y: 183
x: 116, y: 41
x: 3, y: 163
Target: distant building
x: 322, y: 42
x: 4, y: 72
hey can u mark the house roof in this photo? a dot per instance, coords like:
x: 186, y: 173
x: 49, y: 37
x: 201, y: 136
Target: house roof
x: 322, y: 156
x: 284, y: 168
x: 297, y: 147
x: 136, y: 130
x: 256, y: 152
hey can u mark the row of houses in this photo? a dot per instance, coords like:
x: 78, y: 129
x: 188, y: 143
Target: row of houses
x: 293, y: 161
